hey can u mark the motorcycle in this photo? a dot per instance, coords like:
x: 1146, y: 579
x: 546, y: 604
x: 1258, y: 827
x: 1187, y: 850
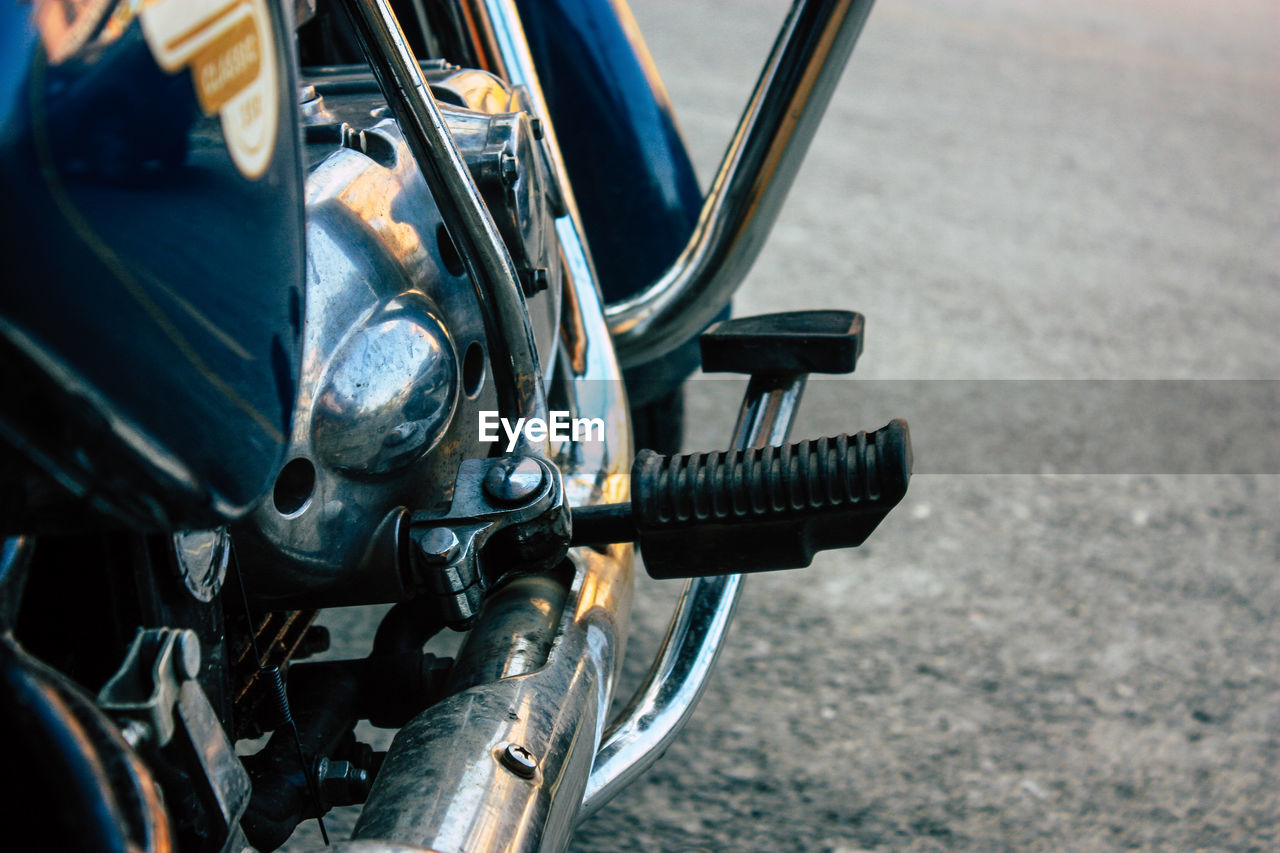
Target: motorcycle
x: 321, y: 304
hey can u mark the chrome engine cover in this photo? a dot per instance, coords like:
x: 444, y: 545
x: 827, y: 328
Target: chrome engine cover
x: 395, y: 366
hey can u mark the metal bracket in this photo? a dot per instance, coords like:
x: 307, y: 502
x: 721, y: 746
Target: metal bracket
x: 145, y: 689
x: 512, y: 509
x: 156, y: 699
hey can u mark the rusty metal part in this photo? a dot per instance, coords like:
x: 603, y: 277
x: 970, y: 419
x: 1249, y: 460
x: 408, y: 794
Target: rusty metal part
x: 279, y: 635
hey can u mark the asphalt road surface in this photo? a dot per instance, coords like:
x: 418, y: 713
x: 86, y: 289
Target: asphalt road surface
x: 1035, y: 656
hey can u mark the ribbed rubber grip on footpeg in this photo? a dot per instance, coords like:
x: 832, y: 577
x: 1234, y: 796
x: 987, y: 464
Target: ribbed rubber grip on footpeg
x: 767, y: 508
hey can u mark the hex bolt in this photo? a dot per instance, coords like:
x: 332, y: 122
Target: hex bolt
x: 513, y: 480
x: 510, y: 170
x: 519, y: 760
x: 438, y: 545
x: 342, y: 781
x: 187, y: 649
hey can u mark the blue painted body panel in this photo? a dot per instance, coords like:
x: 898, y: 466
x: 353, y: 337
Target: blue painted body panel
x: 153, y: 293
x: 631, y: 174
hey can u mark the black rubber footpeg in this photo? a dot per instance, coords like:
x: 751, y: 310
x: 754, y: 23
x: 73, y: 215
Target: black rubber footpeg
x: 767, y: 508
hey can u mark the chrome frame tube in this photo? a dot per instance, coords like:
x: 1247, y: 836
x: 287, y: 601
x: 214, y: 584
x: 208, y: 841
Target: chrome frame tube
x: 513, y: 354
x: 679, y: 674
x: 753, y: 180
x: 675, y: 683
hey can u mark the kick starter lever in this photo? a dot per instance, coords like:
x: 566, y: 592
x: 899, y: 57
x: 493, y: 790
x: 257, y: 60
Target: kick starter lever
x: 765, y: 507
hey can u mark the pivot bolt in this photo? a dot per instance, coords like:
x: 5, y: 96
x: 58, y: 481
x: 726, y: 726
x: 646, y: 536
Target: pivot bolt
x: 519, y: 760
x: 513, y: 480
x: 342, y: 782
x: 438, y: 545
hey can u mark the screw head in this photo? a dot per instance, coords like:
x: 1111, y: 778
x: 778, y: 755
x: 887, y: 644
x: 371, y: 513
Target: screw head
x: 519, y: 760
x: 513, y: 480
x: 438, y: 545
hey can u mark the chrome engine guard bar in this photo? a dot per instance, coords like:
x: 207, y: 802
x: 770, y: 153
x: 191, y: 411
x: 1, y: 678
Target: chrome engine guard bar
x: 753, y: 180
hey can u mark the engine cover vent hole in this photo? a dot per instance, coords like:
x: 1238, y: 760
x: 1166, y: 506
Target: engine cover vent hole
x: 473, y: 369
x: 449, y: 252
x: 294, y: 486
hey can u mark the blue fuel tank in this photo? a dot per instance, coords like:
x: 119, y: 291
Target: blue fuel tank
x: 153, y: 260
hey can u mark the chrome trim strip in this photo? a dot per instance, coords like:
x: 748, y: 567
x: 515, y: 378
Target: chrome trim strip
x: 671, y: 690
x: 753, y: 180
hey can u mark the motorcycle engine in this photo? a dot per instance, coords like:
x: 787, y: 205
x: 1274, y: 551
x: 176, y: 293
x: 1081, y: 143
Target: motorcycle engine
x: 395, y: 366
